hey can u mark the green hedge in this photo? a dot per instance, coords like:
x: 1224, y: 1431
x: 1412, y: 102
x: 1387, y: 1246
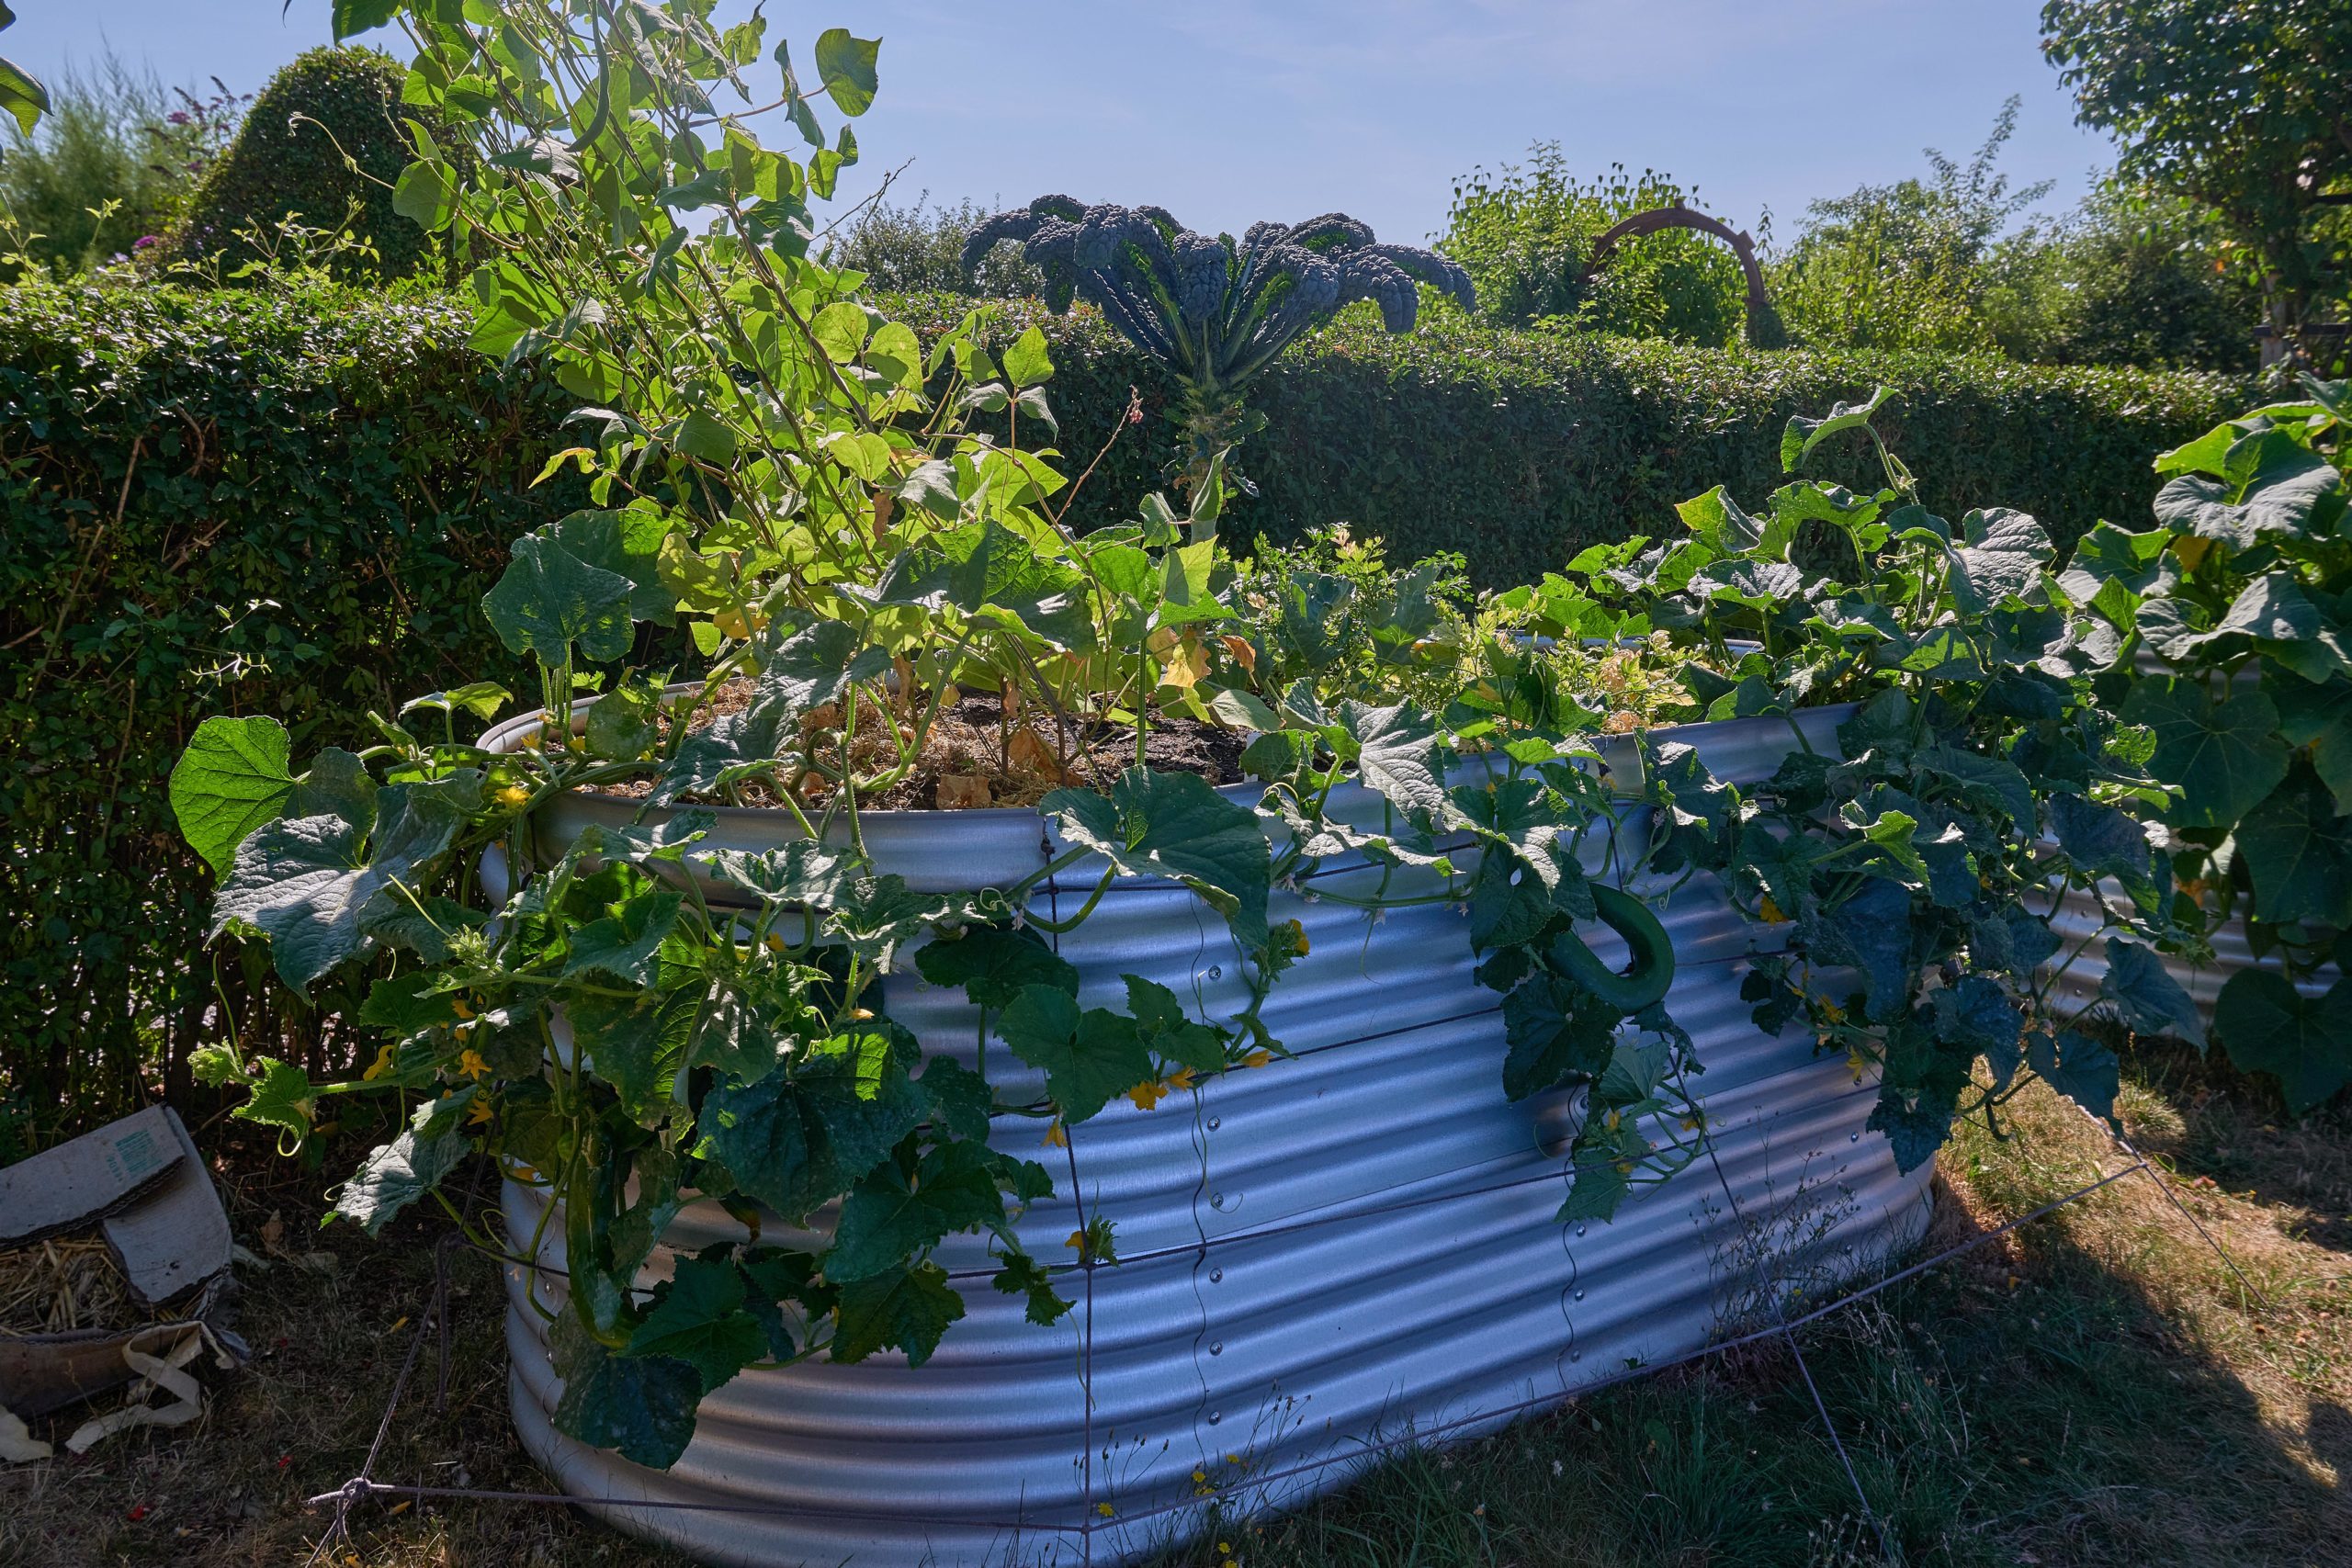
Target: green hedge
x: 247, y: 501
x: 1518, y: 449
x: 324, y: 106
x: 257, y: 501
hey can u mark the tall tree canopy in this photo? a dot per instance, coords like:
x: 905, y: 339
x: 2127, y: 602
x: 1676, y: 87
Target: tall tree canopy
x: 2244, y: 104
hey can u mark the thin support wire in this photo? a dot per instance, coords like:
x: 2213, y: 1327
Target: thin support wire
x: 1772, y: 1299
x: 2165, y: 1187
x: 361, y: 1487
x: 1085, y: 1358
x: 1086, y: 1261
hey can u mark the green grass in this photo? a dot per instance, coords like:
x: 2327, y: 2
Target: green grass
x: 2094, y: 1389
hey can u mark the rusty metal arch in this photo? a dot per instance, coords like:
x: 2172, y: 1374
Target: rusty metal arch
x: 1677, y: 216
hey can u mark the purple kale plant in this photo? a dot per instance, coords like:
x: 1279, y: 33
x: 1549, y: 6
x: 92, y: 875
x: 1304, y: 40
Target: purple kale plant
x: 1216, y: 313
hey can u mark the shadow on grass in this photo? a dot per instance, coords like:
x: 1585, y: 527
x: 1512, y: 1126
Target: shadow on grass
x: 2096, y: 1390
x: 2204, y: 1119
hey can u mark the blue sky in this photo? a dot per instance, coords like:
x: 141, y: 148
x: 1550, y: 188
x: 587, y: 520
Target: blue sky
x: 1226, y: 111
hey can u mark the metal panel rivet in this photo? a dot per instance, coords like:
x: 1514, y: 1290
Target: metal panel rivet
x: 1216, y: 1276
x: 1579, y: 1230
x: 1215, y: 1417
x: 1217, y: 1348
x: 1580, y: 1293
x: 1214, y: 1122
x: 1853, y: 1137
x: 1576, y: 1355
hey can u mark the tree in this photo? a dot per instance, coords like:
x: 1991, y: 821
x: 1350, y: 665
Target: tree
x: 919, y: 248
x: 2244, y: 104
x: 1908, y: 264
x: 2132, y: 276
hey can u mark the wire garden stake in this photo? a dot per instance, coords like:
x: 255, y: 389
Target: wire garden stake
x: 2164, y: 1185
x: 361, y: 1485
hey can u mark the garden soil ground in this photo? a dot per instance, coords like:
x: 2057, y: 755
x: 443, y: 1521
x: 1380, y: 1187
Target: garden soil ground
x: 2096, y: 1389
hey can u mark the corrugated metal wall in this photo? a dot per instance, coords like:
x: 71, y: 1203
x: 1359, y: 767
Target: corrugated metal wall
x: 2077, y: 917
x: 1354, y: 1244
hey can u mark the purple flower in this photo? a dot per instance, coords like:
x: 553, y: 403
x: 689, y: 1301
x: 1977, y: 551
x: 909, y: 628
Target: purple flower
x: 143, y: 240
x: 177, y: 116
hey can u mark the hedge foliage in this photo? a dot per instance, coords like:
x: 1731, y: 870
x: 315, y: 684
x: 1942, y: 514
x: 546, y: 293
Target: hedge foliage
x: 243, y: 502
x: 291, y: 502
x: 1518, y: 449
x: 288, y: 159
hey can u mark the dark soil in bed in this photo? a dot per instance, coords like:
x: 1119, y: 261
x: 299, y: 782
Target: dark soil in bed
x: 973, y: 757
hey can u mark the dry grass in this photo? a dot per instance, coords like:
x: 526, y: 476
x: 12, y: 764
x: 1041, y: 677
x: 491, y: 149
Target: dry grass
x: 2096, y: 1391
x: 62, y: 1283
x: 330, y: 1321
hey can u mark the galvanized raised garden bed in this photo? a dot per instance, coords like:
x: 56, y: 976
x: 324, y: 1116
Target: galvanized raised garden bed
x: 1352, y: 1246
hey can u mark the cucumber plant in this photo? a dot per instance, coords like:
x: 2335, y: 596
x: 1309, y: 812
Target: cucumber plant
x: 1907, y: 883
x: 2227, y: 633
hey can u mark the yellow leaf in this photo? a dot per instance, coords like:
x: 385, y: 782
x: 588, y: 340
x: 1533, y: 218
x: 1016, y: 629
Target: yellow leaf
x: 584, y: 456
x: 963, y: 792
x: 1188, y: 666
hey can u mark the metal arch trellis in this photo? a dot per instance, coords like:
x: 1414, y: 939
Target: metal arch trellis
x: 362, y: 1486
x: 1763, y: 322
